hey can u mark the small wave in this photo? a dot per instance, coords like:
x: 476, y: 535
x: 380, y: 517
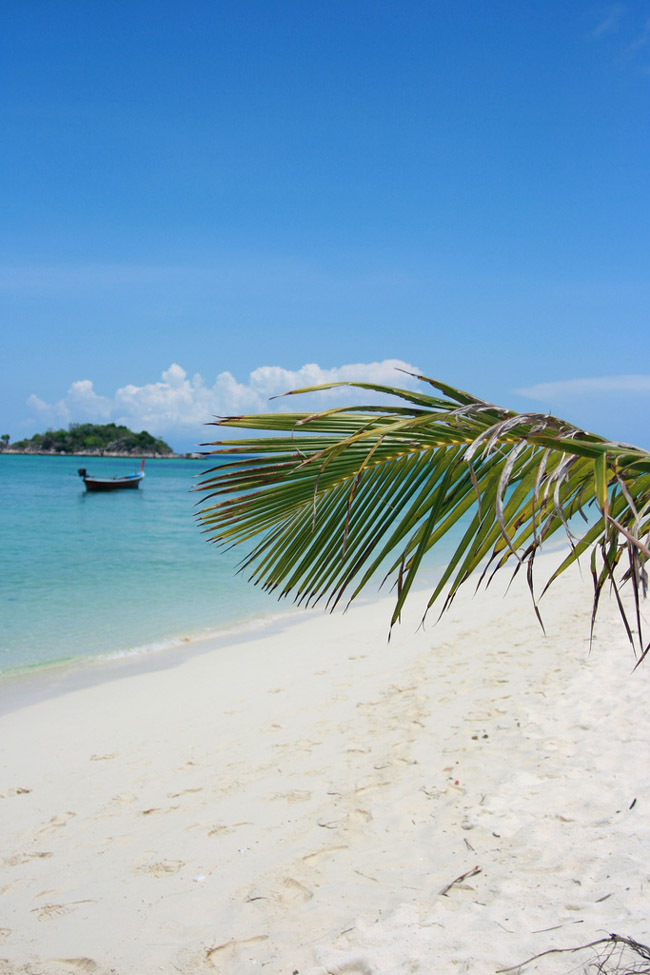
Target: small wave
x: 220, y: 634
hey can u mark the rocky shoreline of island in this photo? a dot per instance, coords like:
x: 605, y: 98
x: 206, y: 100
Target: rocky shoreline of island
x: 94, y: 440
x: 123, y: 454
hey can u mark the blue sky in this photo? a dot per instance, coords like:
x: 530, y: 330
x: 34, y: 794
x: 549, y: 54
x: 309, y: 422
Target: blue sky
x: 204, y: 203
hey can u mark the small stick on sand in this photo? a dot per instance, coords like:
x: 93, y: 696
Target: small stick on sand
x: 458, y: 880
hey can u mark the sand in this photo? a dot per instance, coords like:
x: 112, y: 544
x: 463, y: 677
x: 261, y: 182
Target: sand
x: 305, y: 799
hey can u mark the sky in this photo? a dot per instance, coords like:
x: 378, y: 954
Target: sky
x: 204, y: 204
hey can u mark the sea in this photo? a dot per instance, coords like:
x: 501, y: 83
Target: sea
x: 93, y: 575
x: 87, y: 576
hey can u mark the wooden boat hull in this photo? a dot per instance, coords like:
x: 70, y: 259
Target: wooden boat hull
x: 111, y: 483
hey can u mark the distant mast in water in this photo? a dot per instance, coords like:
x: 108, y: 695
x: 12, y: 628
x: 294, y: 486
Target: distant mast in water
x: 111, y: 483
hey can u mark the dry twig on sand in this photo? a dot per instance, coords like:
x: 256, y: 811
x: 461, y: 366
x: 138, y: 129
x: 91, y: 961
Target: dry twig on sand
x: 458, y: 880
x: 615, y: 955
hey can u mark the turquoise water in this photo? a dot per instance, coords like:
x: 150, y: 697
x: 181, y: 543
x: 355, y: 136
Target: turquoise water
x: 86, y: 574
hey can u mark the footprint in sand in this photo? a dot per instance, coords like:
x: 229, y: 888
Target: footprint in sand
x: 294, y: 893
x: 19, y: 858
x: 298, y: 795
x: 228, y: 950
x: 56, y: 822
x: 13, y: 885
x: 87, y: 965
x: 370, y: 787
x: 157, y: 809
x: 49, y: 911
x: 353, y: 966
x: 359, y: 816
x: 303, y: 748
x: 159, y: 868
x: 111, y: 809
x: 123, y: 799
x: 229, y: 785
x: 220, y: 828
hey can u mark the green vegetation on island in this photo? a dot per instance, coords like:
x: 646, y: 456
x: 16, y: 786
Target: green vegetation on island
x: 92, y: 438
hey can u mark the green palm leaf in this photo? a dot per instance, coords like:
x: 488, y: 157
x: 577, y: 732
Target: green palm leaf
x: 332, y: 497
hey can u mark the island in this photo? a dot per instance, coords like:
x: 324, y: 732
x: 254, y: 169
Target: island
x: 91, y: 440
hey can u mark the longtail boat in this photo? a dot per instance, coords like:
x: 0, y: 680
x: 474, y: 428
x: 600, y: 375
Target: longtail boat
x: 111, y: 483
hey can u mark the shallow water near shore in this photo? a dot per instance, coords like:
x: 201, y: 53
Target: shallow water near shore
x: 88, y: 574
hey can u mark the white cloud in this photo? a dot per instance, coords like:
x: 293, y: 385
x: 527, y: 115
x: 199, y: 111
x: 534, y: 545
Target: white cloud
x: 49, y: 412
x: 80, y: 401
x: 638, y: 385
x: 178, y: 403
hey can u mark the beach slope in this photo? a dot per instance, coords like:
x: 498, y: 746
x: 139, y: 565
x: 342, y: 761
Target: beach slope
x: 317, y: 800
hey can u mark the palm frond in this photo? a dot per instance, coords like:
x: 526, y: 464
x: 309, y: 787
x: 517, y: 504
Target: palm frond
x: 330, y: 498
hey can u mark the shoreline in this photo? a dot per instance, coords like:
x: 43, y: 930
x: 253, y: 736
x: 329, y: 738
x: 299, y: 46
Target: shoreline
x: 23, y: 685
x: 26, y: 684
x: 319, y: 800
x: 192, y: 455
x: 37, y: 682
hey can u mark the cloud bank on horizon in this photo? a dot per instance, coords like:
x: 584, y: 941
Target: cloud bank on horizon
x: 180, y: 404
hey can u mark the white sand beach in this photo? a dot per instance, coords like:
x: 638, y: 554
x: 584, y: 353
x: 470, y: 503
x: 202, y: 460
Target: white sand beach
x: 303, y: 800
